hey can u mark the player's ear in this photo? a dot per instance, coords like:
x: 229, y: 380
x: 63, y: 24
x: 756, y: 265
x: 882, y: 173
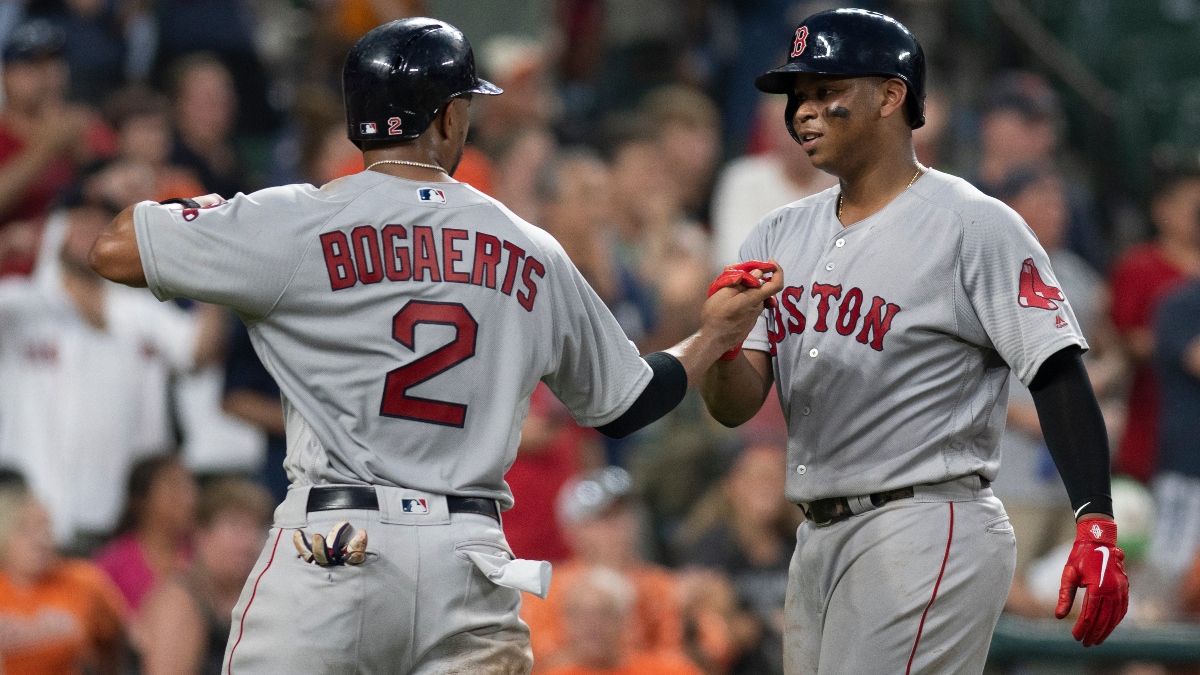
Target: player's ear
x: 892, y: 92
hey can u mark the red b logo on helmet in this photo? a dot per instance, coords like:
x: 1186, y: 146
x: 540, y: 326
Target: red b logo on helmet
x: 801, y: 41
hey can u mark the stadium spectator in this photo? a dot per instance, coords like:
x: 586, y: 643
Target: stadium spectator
x: 142, y: 119
x: 652, y: 231
x: 184, y: 624
x: 1176, y: 483
x: 57, y: 616
x: 596, y: 611
x: 752, y: 186
x: 599, y: 519
x: 575, y: 190
x: 553, y: 449
x: 1139, y: 281
x: 84, y: 366
x: 687, y: 127
x: 1028, y: 483
x: 718, y: 631
x: 43, y: 139
x: 225, y: 31
x: 746, y: 529
x: 517, y: 166
x: 252, y: 395
x: 518, y: 66
x: 205, y: 111
x: 154, y: 535
x: 1020, y: 105
x: 95, y: 45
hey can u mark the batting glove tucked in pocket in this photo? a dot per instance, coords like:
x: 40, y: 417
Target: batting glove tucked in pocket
x: 343, y: 546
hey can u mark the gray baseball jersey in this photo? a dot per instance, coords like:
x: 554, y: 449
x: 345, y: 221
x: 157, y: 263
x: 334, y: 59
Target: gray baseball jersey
x: 406, y: 323
x: 894, y: 337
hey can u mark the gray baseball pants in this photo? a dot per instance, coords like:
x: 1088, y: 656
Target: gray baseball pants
x: 417, y: 606
x: 915, y: 586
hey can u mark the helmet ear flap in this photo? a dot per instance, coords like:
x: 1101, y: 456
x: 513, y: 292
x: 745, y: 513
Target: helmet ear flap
x: 916, y: 108
x: 789, y: 113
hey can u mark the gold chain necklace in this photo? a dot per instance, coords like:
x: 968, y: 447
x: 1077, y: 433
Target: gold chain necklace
x: 405, y: 162
x: 921, y: 169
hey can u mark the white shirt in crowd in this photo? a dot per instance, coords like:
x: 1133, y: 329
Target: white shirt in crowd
x: 78, y: 404
x: 749, y: 188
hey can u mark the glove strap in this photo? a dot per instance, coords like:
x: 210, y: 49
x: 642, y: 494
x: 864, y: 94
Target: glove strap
x: 1099, y: 530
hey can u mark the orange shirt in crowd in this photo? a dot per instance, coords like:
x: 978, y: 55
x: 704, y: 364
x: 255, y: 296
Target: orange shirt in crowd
x: 174, y: 182
x: 638, y: 664
x: 52, y: 627
x: 656, y: 624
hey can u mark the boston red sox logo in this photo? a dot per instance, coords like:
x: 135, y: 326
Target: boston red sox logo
x: 801, y: 41
x: 1034, y: 292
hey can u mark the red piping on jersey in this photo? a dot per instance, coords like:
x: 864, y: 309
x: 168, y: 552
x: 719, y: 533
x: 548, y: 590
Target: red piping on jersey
x: 242, y: 625
x: 921, y: 627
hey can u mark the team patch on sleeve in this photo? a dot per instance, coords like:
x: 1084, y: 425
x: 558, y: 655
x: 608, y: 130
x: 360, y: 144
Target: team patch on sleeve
x: 1034, y: 292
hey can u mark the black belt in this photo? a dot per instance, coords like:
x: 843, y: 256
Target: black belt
x: 334, y: 497
x: 825, y: 512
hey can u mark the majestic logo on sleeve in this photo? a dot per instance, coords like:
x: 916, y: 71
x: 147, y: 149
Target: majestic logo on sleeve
x: 848, y: 314
x: 1034, y: 292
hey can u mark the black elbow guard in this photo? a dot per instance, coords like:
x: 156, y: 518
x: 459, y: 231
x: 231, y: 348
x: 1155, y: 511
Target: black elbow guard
x: 664, y: 391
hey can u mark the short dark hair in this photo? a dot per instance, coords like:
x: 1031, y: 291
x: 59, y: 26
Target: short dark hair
x: 135, y: 101
x: 137, y: 488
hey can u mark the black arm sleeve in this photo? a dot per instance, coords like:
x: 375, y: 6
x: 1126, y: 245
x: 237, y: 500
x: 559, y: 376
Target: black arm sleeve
x: 664, y: 391
x: 1074, y: 430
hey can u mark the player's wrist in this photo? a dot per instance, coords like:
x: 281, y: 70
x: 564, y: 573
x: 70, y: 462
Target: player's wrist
x: 1097, y: 529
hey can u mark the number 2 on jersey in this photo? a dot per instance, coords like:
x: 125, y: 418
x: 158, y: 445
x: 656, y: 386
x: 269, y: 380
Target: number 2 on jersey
x: 396, y: 400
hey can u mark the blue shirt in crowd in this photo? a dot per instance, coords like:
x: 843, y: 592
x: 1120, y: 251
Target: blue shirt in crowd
x: 1177, y: 327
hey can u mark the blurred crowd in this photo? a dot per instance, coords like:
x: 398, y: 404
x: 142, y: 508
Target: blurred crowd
x: 141, y: 443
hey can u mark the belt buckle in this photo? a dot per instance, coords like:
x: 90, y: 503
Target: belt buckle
x: 809, y: 517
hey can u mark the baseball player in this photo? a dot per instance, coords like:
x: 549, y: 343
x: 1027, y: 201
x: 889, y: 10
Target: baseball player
x: 407, y: 319
x: 911, y: 297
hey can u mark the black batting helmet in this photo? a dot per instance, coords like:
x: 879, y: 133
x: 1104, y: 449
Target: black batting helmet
x: 399, y: 76
x: 852, y: 42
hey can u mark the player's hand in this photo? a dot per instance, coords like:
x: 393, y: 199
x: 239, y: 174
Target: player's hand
x: 343, y: 546
x: 1098, y: 566
x: 736, y: 299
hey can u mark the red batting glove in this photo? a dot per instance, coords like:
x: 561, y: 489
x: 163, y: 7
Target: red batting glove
x: 741, y: 274
x: 1098, y: 565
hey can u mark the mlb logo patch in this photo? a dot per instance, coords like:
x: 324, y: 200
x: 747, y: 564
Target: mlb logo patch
x: 190, y: 214
x: 431, y: 195
x: 414, y: 506
x: 366, y: 128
